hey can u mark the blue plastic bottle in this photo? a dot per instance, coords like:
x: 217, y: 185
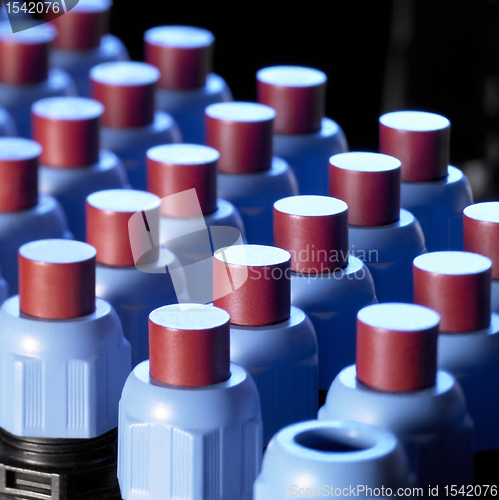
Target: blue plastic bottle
x: 71, y: 164
x: 24, y: 215
x: 395, y: 385
x: 274, y: 341
x: 457, y: 286
x: 83, y: 42
x: 302, y: 135
x: 24, y: 72
x: 132, y: 267
x: 184, y: 56
x: 190, y: 423
x: 130, y: 124
x: 249, y: 176
x: 381, y: 234
x: 332, y: 458
x: 330, y: 285
x: 64, y: 363
x: 435, y: 192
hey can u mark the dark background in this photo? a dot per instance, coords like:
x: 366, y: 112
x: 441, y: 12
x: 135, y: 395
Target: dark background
x: 379, y: 55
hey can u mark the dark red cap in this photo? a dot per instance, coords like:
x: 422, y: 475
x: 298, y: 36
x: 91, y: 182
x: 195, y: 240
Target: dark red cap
x: 297, y: 94
x: 419, y: 140
x: 183, y: 55
x: 82, y: 27
x: 314, y: 230
x: 68, y: 130
x: 457, y: 286
x: 242, y: 133
x: 57, y: 279
x: 24, y: 56
x: 189, y: 345
x: 252, y: 283
x: 121, y: 223
x: 370, y: 185
x: 397, y: 347
x: 481, y: 232
x: 173, y: 168
x: 126, y: 89
x: 18, y: 173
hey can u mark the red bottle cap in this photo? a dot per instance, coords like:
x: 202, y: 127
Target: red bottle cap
x: 419, y: 140
x: 397, y: 347
x: 189, y: 345
x: 314, y: 230
x: 119, y: 238
x: 253, y: 284
x: 126, y: 89
x: 57, y: 279
x: 24, y: 56
x: 82, y: 27
x: 18, y: 173
x: 370, y: 185
x: 481, y: 232
x: 183, y: 55
x: 68, y: 130
x: 457, y: 286
x: 297, y: 94
x: 242, y: 133
x: 174, y: 168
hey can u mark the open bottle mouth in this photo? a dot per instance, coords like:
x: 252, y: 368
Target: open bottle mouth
x: 334, y: 440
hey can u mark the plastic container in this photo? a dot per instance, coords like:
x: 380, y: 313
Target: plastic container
x: 190, y: 423
x: 24, y: 215
x: 332, y: 458
x: 82, y: 43
x: 24, y: 72
x: 457, y: 286
x: 481, y: 234
x: 130, y: 124
x: 71, y: 164
x: 64, y: 363
x: 381, y: 234
x: 302, y: 135
x: 184, y: 56
x: 274, y: 341
x: 7, y: 125
x: 435, y: 192
x: 395, y: 385
x: 330, y: 285
x: 249, y: 176
x: 132, y: 267
x: 194, y: 222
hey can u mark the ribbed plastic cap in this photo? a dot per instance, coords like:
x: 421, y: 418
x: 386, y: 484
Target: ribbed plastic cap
x: 297, y: 94
x: 314, y: 230
x: 174, y: 168
x: 263, y: 273
x: 126, y: 89
x: 189, y: 345
x: 420, y: 140
x: 397, y: 347
x: 457, y: 286
x: 481, y: 232
x: 242, y: 133
x: 18, y: 173
x: 24, y: 56
x: 57, y: 279
x: 68, y: 130
x: 370, y: 185
x: 183, y: 55
x: 115, y: 234
x: 82, y: 27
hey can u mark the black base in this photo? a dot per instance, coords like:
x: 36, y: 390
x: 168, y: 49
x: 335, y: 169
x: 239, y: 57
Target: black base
x: 58, y: 469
